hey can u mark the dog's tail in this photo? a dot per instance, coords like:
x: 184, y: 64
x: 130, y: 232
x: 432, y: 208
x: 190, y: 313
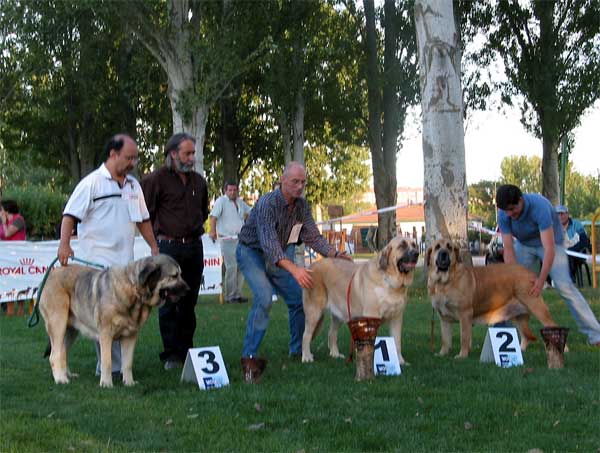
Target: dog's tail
x: 70, y: 336
x: 523, y: 322
x: 318, y: 327
x: 48, y: 350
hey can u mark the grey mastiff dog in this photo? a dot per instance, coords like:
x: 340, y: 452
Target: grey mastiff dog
x: 105, y: 305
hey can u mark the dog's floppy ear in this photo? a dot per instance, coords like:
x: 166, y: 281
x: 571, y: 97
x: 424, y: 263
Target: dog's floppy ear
x: 384, y: 257
x: 428, y: 255
x: 456, y: 250
x: 149, y: 275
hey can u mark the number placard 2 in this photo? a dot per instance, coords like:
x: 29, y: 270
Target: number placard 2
x: 206, y: 367
x: 501, y: 346
x: 385, y: 362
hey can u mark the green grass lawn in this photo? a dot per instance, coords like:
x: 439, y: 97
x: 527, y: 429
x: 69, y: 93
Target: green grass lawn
x: 437, y: 404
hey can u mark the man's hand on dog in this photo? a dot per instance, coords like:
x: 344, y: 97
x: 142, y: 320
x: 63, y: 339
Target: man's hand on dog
x: 344, y: 256
x: 64, y: 252
x: 335, y: 254
x: 536, y: 289
x: 303, y: 277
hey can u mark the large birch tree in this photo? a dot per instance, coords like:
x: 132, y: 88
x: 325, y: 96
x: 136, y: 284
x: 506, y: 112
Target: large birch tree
x: 445, y: 189
x: 197, y: 43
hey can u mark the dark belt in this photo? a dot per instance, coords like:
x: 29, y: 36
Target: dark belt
x: 183, y: 240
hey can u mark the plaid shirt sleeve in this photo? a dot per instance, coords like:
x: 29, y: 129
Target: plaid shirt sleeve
x: 266, y: 217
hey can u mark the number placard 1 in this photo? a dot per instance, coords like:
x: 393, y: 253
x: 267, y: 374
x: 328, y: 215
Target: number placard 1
x: 206, y: 367
x: 385, y: 362
x: 501, y: 345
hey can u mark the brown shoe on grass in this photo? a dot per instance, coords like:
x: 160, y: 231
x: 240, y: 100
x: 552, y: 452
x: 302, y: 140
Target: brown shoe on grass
x: 252, y: 369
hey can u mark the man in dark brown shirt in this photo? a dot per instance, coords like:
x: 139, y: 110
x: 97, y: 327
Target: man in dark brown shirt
x: 177, y: 200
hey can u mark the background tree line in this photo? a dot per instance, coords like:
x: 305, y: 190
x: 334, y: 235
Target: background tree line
x: 582, y: 194
x: 326, y: 82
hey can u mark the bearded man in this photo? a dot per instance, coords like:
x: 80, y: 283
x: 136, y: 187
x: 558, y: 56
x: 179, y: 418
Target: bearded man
x: 177, y: 200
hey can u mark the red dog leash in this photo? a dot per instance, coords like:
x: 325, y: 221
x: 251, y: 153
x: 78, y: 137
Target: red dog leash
x: 350, y: 318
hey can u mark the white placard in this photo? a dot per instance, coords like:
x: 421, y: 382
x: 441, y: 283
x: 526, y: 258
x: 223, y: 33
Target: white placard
x: 501, y: 345
x: 206, y: 367
x: 385, y: 362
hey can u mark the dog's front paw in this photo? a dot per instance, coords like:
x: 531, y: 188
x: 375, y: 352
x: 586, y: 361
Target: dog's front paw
x: 442, y: 353
x: 129, y: 382
x: 308, y: 358
x: 106, y: 383
x: 461, y: 355
x: 72, y: 375
x: 336, y: 354
x: 60, y: 376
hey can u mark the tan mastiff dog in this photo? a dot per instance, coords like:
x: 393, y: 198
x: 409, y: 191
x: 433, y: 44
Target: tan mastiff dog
x: 106, y: 305
x: 480, y: 295
x: 378, y: 288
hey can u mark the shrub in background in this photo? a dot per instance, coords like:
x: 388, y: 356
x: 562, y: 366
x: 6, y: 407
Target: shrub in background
x: 41, y: 207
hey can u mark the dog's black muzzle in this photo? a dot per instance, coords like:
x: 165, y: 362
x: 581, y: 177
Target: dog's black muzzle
x: 174, y: 293
x: 442, y: 261
x: 408, y: 261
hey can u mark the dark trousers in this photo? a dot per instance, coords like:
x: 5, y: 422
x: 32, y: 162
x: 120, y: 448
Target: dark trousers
x: 177, y: 320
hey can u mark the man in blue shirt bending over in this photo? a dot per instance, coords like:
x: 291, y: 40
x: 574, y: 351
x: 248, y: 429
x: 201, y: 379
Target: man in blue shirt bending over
x: 531, y: 219
x: 280, y: 220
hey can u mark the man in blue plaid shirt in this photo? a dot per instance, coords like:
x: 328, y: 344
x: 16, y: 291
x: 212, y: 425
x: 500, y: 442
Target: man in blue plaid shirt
x: 280, y: 220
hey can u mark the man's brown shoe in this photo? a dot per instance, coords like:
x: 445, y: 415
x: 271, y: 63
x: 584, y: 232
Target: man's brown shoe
x: 252, y: 369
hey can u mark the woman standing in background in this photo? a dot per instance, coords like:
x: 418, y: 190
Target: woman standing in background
x: 12, y: 224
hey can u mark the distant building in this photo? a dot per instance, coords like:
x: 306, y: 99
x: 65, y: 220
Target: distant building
x: 404, y: 196
x: 410, y: 222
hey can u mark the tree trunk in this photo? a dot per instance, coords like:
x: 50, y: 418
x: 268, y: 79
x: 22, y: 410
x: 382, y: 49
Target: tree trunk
x: 171, y: 48
x: 71, y: 154
x: 550, y: 187
x: 383, y: 145
x: 298, y: 128
x: 445, y: 189
x: 188, y: 116
x: 548, y: 105
x: 284, y: 130
x: 229, y: 138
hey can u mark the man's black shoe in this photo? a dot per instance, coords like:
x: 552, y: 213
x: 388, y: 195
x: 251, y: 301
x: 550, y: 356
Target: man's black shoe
x: 237, y: 300
x: 172, y: 364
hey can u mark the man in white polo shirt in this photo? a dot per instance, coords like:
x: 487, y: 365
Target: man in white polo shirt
x: 108, y: 205
x: 226, y: 220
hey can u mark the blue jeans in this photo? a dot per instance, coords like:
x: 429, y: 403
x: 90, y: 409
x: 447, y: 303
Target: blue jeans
x: 262, y: 278
x: 561, y: 279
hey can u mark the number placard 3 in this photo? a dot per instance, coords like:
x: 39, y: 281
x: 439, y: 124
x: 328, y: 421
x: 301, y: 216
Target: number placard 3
x: 502, y: 347
x: 206, y: 367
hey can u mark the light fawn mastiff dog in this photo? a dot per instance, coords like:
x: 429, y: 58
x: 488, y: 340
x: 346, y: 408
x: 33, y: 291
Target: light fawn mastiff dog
x: 480, y: 295
x: 379, y: 289
x: 105, y: 305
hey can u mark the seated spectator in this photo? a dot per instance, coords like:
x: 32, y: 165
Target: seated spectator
x: 12, y: 226
x: 575, y: 237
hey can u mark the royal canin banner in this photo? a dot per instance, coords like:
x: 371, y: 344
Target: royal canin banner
x: 24, y: 263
